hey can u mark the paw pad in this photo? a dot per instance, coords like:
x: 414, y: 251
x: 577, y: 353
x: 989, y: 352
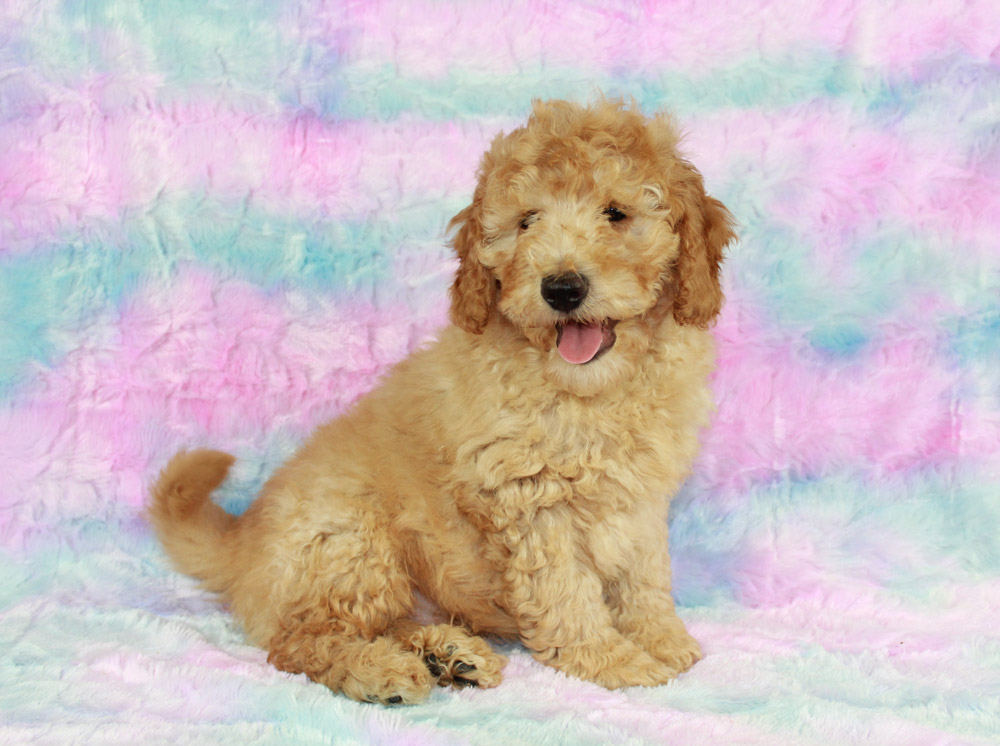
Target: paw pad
x: 452, y: 671
x: 433, y: 665
x: 455, y: 658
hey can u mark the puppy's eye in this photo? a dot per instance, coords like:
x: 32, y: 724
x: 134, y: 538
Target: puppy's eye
x: 526, y: 220
x: 614, y: 215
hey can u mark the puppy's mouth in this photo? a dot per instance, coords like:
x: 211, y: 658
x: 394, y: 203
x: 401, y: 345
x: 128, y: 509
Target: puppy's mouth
x: 581, y: 343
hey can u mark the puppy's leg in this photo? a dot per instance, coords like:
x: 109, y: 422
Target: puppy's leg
x: 342, y: 590
x: 646, y: 615
x: 560, y: 609
x: 643, y: 609
x: 452, y: 655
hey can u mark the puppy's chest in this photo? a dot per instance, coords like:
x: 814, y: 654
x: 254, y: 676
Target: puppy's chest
x: 596, y: 458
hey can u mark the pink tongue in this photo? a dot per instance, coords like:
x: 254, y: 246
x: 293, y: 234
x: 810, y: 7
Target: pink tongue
x: 580, y: 342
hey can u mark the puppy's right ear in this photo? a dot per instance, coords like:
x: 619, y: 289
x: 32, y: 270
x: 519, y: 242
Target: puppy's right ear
x: 706, y: 228
x: 474, y: 291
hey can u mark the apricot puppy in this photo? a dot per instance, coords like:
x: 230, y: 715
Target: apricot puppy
x: 517, y: 471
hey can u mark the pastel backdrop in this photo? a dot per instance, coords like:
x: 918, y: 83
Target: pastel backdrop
x: 220, y: 222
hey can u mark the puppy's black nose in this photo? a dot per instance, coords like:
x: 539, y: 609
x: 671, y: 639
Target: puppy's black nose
x: 564, y: 292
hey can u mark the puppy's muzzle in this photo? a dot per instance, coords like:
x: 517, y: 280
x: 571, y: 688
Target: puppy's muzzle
x: 565, y: 292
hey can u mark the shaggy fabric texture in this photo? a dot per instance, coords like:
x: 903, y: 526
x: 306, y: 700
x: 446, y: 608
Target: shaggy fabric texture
x: 220, y: 222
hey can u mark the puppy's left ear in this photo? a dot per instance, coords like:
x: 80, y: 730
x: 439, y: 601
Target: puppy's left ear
x: 705, y: 228
x: 474, y: 291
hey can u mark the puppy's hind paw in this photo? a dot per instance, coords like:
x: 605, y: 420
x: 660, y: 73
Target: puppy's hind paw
x: 456, y: 658
x: 385, y: 673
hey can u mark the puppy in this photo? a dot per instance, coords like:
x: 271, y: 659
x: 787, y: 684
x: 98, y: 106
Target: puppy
x: 517, y: 471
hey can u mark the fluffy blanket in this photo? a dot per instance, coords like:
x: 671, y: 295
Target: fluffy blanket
x: 221, y: 221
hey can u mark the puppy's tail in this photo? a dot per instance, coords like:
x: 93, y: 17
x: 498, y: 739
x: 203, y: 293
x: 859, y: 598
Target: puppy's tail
x: 195, y: 532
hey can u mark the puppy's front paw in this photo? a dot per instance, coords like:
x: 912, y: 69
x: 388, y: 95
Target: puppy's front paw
x: 676, y: 648
x: 615, y: 667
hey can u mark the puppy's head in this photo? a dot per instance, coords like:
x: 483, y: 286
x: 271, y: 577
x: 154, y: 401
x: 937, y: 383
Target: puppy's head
x: 586, y: 232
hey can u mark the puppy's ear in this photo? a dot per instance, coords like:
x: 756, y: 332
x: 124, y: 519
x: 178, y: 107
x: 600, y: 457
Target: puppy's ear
x: 705, y: 228
x: 474, y: 291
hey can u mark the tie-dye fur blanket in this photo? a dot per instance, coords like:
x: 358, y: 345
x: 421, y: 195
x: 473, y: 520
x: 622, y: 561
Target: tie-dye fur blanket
x: 220, y: 221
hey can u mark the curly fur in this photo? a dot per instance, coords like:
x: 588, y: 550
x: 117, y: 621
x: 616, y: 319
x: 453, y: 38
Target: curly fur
x: 525, y: 495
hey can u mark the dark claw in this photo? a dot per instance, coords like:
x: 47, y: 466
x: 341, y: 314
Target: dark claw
x: 462, y: 667
x: 394, y: 700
